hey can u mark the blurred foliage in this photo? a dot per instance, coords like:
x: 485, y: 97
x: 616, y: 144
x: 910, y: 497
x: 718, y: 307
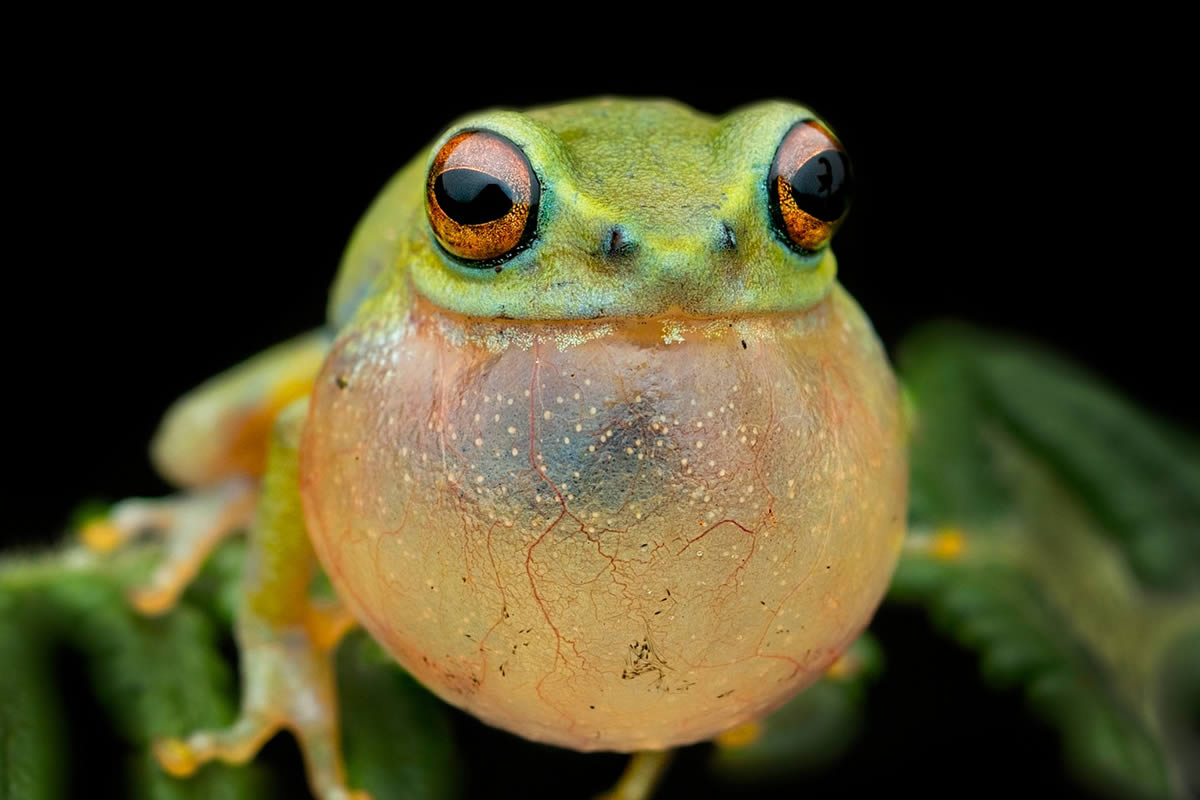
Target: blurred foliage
x: 811, y: 730
x: 150, y: 676
x: 1055, y: 529
x: 167, y: 676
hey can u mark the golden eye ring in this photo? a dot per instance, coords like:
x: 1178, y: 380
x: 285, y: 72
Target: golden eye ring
x: 809, y: 186
x: 481, y: 197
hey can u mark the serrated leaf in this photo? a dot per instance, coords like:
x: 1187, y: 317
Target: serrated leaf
x: 167, y: 676
x: 1057, y: 530
x: 153, y: 676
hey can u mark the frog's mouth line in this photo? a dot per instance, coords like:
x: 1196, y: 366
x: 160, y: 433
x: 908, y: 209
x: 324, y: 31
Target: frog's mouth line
x: 674, y: 316
x: 669, y: 328
x: 658, y: 330
x: 570, y: 287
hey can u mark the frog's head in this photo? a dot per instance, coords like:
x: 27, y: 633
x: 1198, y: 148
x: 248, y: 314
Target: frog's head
x: 619, y: 208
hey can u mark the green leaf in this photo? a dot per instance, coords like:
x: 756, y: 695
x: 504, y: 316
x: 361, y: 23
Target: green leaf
x: 215, y: 589
x: 167, y: 675
x: 153, y: 677
x: 31, y: 737
x: 397, y: 736
x: 811, y: 731
x: 1057, y: 530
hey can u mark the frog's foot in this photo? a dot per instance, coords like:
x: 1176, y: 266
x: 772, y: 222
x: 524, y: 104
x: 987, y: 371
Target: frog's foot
x: 644, y: 772
x: 284, y: 636
x: 287, y: 683
x: 191, y: 524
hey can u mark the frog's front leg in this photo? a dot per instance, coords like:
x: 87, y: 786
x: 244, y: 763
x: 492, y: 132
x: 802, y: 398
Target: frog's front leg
x: 284, y: 638
x: 212, y: 442
x: 191, y: 524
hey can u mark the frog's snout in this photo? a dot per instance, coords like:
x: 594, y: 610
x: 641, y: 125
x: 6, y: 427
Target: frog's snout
x: 687, y: 270
x: 717, y: 237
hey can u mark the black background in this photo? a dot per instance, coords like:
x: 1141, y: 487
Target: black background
x: 177, y: 217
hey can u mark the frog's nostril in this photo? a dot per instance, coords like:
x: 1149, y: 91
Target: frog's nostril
x: 616, y: 242
x: 726, y: 239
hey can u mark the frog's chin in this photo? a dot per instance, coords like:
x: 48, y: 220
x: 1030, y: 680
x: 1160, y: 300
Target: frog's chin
x: 617, y: 534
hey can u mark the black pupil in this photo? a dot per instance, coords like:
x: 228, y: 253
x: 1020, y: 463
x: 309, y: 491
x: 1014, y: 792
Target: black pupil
x: 821, y: 186
x: 470, y: 197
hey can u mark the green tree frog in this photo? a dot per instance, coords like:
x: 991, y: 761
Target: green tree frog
x: 594, y: 444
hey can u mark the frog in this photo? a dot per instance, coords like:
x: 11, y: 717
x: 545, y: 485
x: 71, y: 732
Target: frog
x: 593, y: 443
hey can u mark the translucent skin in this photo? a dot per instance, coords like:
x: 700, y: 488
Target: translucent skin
x: 613, y: 534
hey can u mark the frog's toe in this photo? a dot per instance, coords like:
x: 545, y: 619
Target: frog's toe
x: 240, y: 742
x: 125, y: 520
x: 234, y: 745
x: 190, y: 525
x: 287, y: 683
x: 740, y: 736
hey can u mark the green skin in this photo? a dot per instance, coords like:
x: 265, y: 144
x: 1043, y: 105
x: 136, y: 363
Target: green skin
x: 678, y: 183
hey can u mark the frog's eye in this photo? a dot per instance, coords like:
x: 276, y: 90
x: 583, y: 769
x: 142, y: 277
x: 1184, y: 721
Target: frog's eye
x: 482, y: 197
x: 809, y: 185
